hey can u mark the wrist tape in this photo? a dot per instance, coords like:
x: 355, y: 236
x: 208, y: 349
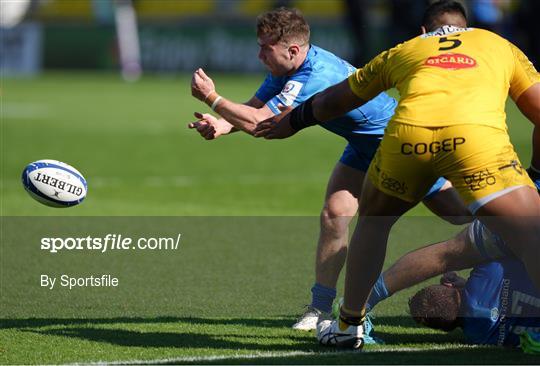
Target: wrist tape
x: 302, y: 116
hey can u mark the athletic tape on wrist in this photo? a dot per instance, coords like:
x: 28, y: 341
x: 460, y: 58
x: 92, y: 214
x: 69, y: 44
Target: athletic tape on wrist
x: 302, y: 116
x: 207, y: 95
x: 214, y: 105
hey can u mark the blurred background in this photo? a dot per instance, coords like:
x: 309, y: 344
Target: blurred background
x: 173, y: 36
x: 64, y: 96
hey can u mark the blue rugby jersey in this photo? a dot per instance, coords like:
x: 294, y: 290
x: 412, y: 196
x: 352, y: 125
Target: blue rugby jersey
x: 499, y: 302
x: 320, y: 70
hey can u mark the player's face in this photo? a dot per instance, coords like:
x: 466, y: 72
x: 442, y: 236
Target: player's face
x: 275, y: 56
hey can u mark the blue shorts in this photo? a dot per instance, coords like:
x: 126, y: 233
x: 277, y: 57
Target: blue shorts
x: 435, y: 188
x: 360, y: 151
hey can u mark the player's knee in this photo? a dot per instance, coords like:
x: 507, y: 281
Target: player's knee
x: 335, y: 219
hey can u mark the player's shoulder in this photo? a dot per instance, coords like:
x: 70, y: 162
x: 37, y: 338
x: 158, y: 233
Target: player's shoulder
x: 489, y: 267
x: 451, y: 31
x: 501, y: 266
x: 318, y: 53
x: 320, y: 70
x: 319, y: 58
x: 483, y: 277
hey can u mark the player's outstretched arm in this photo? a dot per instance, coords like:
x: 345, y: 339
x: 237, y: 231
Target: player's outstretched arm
x: 242, y: 116
x: 332, y: 102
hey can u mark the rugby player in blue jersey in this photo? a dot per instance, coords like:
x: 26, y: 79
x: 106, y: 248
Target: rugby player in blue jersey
x: 298, y: 70
x: 496, y: 304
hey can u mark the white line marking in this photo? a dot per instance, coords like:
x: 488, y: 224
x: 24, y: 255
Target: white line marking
x: 258, y: 355
x: 21, y: 110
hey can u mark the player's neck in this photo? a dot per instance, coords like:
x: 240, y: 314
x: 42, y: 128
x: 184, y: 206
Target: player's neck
x: 299, y: 61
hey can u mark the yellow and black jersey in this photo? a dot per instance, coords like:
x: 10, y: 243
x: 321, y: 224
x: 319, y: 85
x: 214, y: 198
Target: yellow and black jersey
x: 451, y: 76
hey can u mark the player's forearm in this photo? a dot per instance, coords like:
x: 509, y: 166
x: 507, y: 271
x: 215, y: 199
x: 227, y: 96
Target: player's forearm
x: 241, y: 116
x: 331, y: 103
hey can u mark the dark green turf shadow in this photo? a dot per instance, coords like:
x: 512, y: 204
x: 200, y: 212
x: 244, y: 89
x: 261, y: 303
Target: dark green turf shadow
x: 455, y: 336
x: 392, y: 337
x: 280, y: 322
x: 394, y: 321
x: 129, y: 338
x: 397, y: 337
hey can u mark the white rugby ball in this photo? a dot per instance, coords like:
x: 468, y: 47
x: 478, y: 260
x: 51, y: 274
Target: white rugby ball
x: 54, y: 183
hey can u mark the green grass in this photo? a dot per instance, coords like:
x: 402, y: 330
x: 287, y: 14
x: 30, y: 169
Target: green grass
x: 247, y: 211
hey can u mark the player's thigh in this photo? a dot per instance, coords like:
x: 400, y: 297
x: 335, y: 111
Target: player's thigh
x: 480, y: 162
x: 380, y: 206
x: 343, y: 191
x: 345, y: 184
x: 402, y: 165
x: 515, y: 216
x: 446, y: 203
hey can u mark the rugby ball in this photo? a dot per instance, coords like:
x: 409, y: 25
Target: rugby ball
x: 54, y: 183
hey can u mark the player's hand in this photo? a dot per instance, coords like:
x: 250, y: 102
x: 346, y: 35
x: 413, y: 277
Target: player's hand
x: 276, y: 127
x: 452, y: 279
x: 201, y: 85
x: 209, y: 127
x: 535, y: 176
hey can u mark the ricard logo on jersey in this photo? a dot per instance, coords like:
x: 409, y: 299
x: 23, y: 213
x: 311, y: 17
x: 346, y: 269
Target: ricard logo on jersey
x: 451, y: 61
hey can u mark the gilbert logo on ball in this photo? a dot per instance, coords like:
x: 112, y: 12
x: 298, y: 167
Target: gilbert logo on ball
x: 54, y: 183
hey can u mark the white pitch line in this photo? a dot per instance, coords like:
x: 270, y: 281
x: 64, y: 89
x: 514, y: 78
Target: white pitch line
x: 21, y: 110
x: 259, y: 355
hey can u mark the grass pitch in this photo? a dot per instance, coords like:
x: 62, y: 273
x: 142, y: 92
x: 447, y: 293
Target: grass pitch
x: 247, y: 211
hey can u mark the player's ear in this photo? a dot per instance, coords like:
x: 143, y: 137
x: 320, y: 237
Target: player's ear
x: 294, y: 50
x: 423, y: 29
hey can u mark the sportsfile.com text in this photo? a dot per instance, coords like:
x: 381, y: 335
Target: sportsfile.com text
x: 110, y: 242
